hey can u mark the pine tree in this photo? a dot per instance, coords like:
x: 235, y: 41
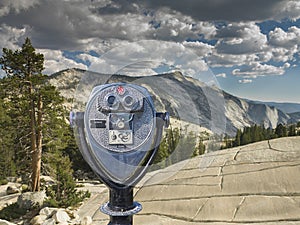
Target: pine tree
x: 281, y: 131
x: 229, y: 143
x: 63, y: 193
x: 292, y: 130
x: 200, y: 148
x: 166, y: 154
x: 246, y: 136
x: 161, y: 154
x: 35, y: 107
x: 237, y: 141
x: 7, y: 162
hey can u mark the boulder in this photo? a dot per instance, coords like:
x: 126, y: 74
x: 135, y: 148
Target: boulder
x: 4, y: 222
x: 38, y: 220
x: 49, y: 212
x: 31, y: 200
x: 61, y: 216
x: 50, y: 221
x: 12, y: 190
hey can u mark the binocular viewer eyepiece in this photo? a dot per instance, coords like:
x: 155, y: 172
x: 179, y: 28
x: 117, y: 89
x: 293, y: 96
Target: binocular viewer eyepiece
x: 120, y: 99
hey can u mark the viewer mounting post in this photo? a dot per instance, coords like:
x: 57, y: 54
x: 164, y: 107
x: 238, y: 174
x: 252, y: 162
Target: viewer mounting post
x: 118, y: 135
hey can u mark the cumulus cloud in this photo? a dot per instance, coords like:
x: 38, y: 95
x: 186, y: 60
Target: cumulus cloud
x: 147, y: 57
x: 240, y: 38
x: 10, y: 36
x: 280, y: 38
x: 244, y: 45
x: 258, y: 69
x: 55, y: 61
x: 290, y: 8
x: 64, y: 25
x: 102, y: 25
x: 230, y: 60
x: 239, y: 44
x: 170, y: 25
x: 200, y: 48
x: 280, y: 54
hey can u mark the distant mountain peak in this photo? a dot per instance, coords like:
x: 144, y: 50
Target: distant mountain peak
x: 239, y: 113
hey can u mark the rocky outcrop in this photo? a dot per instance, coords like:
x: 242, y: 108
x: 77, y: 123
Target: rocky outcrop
x: 31, y: 200
x: 52, y: 216
x: 254, y: 184
x: 4, y: 222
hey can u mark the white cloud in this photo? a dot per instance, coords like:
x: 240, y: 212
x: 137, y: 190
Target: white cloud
x: 76, y: 24
x: 124, y: 26
x: 230, y: 60
x: 283, y: 45
x: 280, y: 38
x: 10, y: 36
x: 257, y: 69
x: 288, y: 8
x: 200, y: 48
x: 239, y: 44
x: 55, y: 61
x: 142, y: 57
x: 102, y: 25
x: 243, y: 44
x: 6, y: 6
x: 240, y: 38
x: 286, y: 65
x: 91, y: 59
x: 245, y: 81
x: 223, y: 75
x: 140, y: 69
x: 171, y: 25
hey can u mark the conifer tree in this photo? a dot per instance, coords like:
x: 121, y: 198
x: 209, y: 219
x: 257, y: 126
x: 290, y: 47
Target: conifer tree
x: 7, y: 162
x: 281, y: 131
x: 237, y: 141
x: 36, y: 106
x: 292, y: 130
x: 200, y: 148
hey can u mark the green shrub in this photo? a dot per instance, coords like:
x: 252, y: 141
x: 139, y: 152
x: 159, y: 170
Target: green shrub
x: 12, y: 212
x: 3, y: 182
x: 64, y: 192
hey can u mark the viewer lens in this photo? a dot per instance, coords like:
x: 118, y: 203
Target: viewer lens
x: 111, y: 100
x: 128, y: 100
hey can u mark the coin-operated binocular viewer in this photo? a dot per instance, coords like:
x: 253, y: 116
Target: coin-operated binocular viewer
x: 118, y: 135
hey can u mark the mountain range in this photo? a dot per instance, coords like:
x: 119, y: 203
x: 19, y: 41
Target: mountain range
x: 283, y: 106
x: 185, y: 98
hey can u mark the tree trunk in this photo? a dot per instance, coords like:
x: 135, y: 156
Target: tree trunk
x: 37, y: 154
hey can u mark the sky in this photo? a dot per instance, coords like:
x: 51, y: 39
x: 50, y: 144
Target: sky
x: 251, y: 46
